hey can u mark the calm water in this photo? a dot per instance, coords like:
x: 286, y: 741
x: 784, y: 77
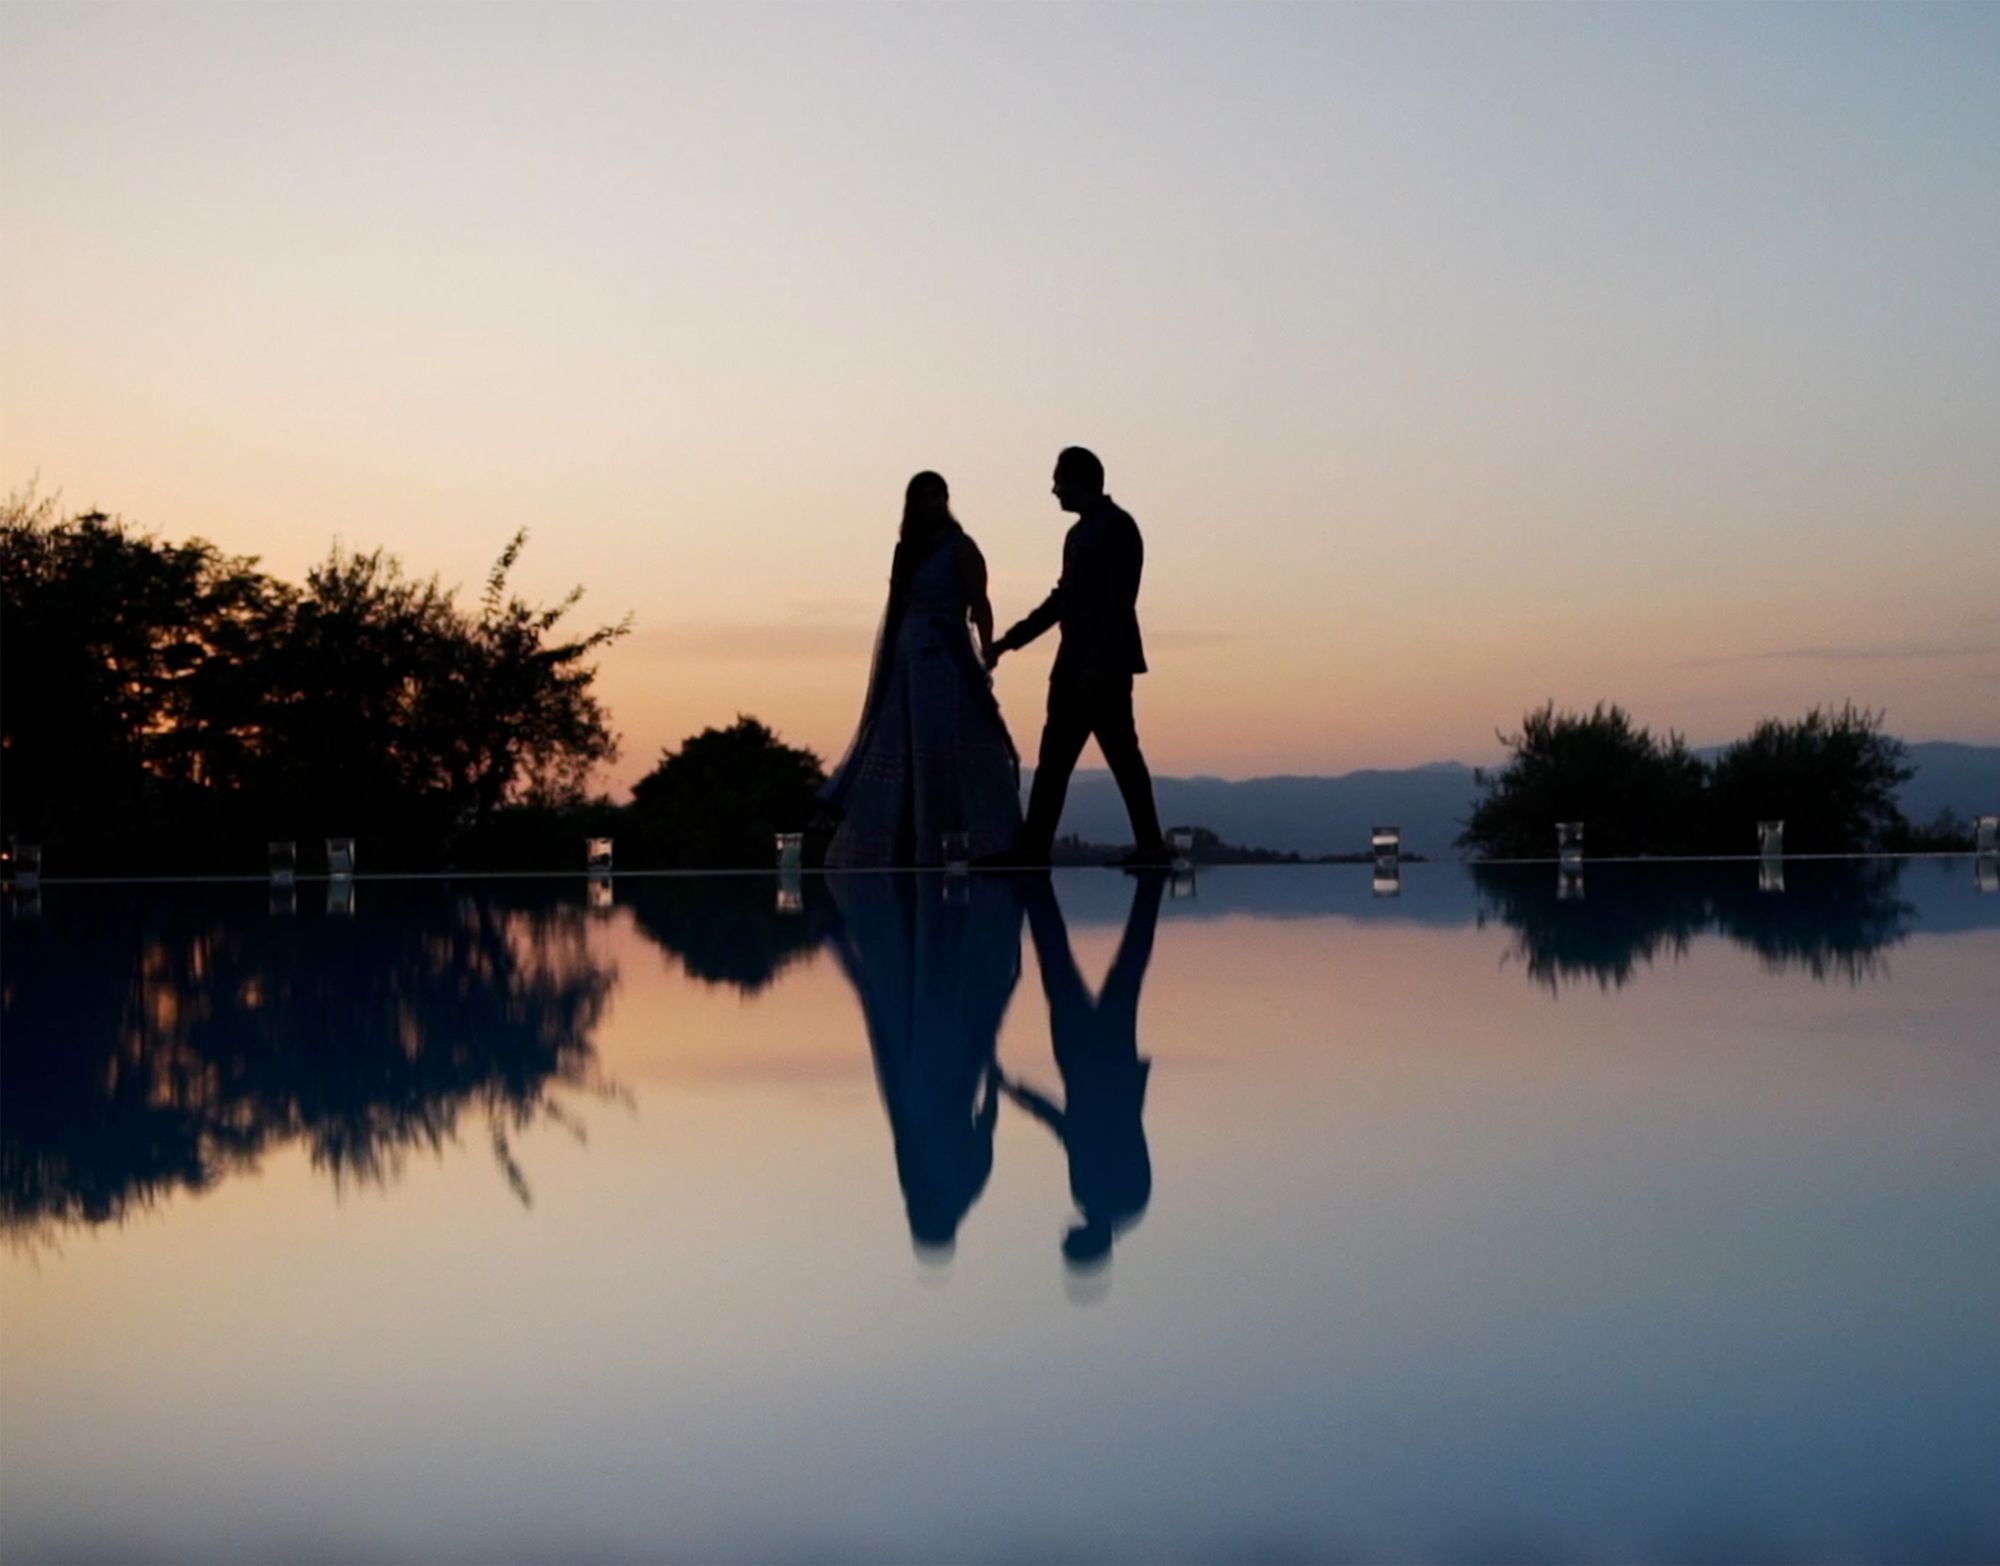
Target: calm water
x: 1268, y: 1218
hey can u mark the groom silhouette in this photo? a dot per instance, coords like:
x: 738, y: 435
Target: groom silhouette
x: 1090, y: 688
x: 1101, y: 1123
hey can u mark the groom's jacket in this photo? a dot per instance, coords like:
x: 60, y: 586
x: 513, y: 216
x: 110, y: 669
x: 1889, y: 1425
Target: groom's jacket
x: 1097, y: 601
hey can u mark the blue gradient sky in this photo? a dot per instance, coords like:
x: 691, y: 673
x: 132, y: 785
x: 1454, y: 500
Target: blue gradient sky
x: 1452, y: 358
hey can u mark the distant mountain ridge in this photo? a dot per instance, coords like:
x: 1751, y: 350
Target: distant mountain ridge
x: 1333, y: 815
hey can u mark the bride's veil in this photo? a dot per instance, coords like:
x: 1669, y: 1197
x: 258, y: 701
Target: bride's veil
x: 912, y: 549
x: 833, y: 793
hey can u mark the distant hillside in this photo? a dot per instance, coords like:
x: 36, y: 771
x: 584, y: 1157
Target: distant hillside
x: 1964, y: 778
x: 1333, y: 815
x: 1304, y: 815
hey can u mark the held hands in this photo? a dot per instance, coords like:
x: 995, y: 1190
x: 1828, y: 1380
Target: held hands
x: 993, y: 651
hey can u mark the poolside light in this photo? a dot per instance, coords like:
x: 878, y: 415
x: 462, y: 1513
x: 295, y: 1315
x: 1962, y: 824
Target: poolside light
x: 1386, y: 841
x: 957, y: 852
x: 1986, y: 872
x: 1771, y: 839
x: 1180, y: 847
x: 791, y: 896
x: 284, y: 898
x: 340, y: 857
x: 597, y: 855
x: 1569, y: 882
x: 284, y: 858
x: 1771, y: 874
x: 1986, y: 834
x: 1388, y: 878
x: 1569, y: 843
x: 340, y: 897
x: 599, y: 894
x: 790, y: 846
x: 1180, y: 886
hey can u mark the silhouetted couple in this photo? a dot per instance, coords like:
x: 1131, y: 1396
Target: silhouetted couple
x: 931, y: 755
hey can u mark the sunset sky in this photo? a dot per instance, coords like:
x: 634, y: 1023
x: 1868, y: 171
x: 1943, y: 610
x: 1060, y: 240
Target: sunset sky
x: 1451, y: 358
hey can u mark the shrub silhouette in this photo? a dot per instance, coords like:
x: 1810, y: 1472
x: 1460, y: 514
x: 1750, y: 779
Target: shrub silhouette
x: 170, y: 707
x: 718, y: 800
x: 1636, y: 794
x: 1831, y: 777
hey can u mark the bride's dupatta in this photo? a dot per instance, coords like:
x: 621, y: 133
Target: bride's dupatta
x: 910, y: 553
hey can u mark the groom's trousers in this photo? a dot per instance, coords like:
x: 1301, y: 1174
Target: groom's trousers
x: 1082, y: 706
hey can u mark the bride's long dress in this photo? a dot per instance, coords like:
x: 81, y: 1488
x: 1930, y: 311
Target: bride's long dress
x: 934, y: 970
x: 932, y: 754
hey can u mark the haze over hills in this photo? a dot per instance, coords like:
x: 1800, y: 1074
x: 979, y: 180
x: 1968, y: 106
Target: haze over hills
x: 1333, y: 815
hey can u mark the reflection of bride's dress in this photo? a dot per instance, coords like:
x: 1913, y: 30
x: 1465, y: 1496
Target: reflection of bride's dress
x: 932, y: 754
x: 934, y: 967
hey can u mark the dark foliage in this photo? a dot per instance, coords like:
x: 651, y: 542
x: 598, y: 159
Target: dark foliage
x: 738, y: 931
x: 128, y: 693
x: 548, y: 837
x: 1630, y: 918
x: 169, y: 707
x: 718, y: 801
x: 1636, y: 793
x: 155, y: 1046
x: 1831, y: 777
x: 1833, y: 920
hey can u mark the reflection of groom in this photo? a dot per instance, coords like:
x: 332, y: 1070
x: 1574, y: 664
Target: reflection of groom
x: 1100, y: 1123
x: 1090, y: 687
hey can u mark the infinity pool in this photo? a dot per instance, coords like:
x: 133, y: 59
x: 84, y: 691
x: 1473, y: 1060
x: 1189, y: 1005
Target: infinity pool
x: 1279, y: 1215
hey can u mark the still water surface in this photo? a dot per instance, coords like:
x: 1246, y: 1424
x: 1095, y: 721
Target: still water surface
x: 1258, y: 1218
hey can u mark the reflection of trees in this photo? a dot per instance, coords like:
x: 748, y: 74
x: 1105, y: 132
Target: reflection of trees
x: 1833, y: 919
x: 158, y: 1044
x: 730, y: 929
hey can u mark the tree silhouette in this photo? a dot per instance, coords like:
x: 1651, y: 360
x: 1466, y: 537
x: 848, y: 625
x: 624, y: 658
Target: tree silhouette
x: 1637, y: 794
x: 1831, y: 777
x: 720, y: 798
x: 126, y: 686
x: 166, y: 706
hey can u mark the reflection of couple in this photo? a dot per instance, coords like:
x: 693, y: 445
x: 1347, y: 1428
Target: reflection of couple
x: 931, y: 755
x: 935, y: 968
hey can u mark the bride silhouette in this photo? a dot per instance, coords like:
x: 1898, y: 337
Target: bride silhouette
x: 931, y: 754
x: 934, y: 963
